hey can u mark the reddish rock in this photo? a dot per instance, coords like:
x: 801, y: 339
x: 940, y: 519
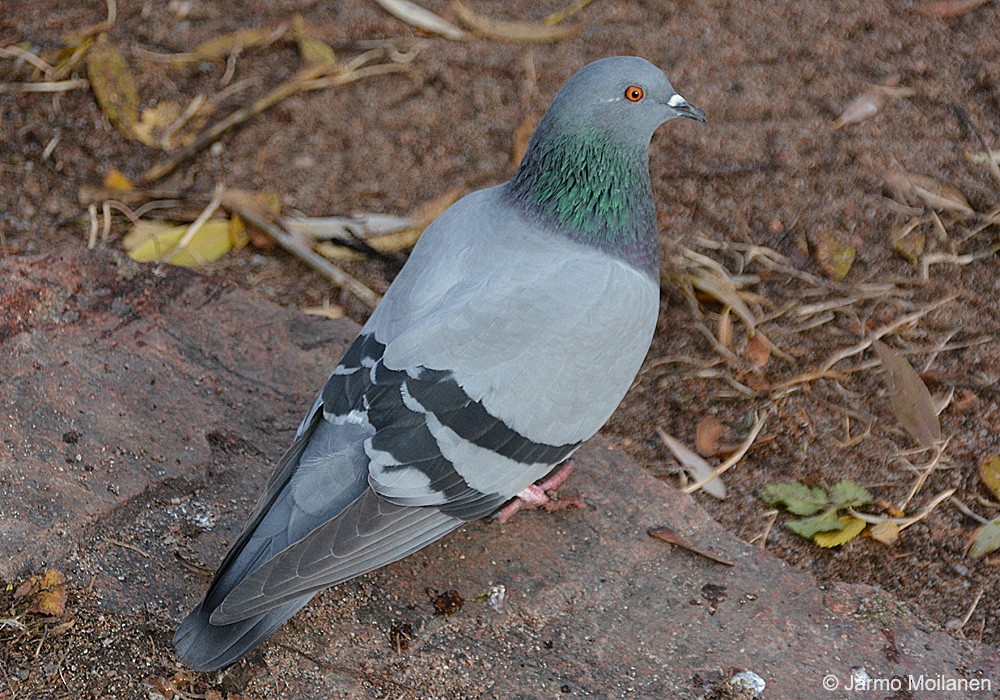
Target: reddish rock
x: 143, y: 408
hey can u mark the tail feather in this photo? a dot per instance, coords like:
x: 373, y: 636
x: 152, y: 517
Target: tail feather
x: 207, y: 647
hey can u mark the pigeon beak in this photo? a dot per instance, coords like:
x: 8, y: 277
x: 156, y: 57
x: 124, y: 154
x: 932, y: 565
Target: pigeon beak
x: 686, y: 109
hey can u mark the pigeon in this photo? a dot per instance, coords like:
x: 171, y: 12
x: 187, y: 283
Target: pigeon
x: 514, y: 330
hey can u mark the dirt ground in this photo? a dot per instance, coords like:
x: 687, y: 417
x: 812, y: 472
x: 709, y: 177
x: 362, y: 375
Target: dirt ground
x: 769, y: 189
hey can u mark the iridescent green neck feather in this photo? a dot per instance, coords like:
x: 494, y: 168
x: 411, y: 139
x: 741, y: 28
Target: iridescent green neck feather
x: 582, y: 184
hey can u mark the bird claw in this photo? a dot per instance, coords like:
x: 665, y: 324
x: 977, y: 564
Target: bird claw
x: 536, y: 496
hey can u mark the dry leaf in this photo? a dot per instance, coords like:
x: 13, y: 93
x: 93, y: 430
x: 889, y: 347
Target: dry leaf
x: 964, y: 401
x: 166, y: 126
x: 886, y: 532
x: 116, y: 180
x: 851, y: 527
x: 340, y: 253
x: 724, y: 331
x: 214, y: 239
x: 505, y: 30
x: 155, y: 121
x: 144, y: 230
x: 986, y: 539
x: 911, y: 400
x: 311, y: 49
x: 694, y: 465
x: 113, y: 85
x: 891, y: 509
x: 948, y: 8
x: 706, y: 436
x: 222, y: 46
x: 758, y: 350
x: 989, y: 472
x: 266, y: 205
x: 908, y: 242
x: 423, y: 215
x: 47, y: 592
x: 930, y: 191
x: 238, y: 235
x: 421, y: 18
x: 834, y: 259
x: 862, y: 107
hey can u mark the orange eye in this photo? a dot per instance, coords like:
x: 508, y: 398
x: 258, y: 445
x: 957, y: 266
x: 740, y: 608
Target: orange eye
x: 634, y: 93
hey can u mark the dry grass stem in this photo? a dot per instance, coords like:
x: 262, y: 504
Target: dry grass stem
x: 45, y: 86
x: 16, y: 52
x: 968, y: 616
x: 884, y: 331
x: 937, y: 456
x: 126, y: 545
x: 761, y: 539
x: 311, y: 258
x: 94, y: 226
x: 935, y: 502
x: 949, y: 259
x: 968, y: 511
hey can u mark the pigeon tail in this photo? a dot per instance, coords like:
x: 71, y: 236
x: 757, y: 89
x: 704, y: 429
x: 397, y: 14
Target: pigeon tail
x: 207, y: 647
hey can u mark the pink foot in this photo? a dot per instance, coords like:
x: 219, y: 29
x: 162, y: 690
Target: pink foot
x: 536, y: 496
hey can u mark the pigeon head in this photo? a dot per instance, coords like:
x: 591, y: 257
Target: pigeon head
x: 625, y: 98
x: 585, y: 174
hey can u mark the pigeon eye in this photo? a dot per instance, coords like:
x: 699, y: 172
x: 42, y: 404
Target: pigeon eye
x: 634, y: 93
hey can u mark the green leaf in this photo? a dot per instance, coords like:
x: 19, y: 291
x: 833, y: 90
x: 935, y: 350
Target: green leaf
x: 797, y: 498
x: 808, y: 527
x: 847, y: 494
x: 987, y: 539
x: 851, y: 527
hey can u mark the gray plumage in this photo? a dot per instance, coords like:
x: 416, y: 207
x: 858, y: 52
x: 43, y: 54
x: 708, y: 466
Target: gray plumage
x: 507, y: 340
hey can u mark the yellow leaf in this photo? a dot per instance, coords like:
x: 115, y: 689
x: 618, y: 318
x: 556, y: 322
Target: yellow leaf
x: 238, y: 236
x: 222, y: 46
x: 150, y: 127
x: 209, y: 243
x: 908, y: 241
x: 504, y: 30
x: 311, y: 49
x: 989, y: 471
x: 852, y: 527
x: 143, y: 231
x: 834, y: 259
x: 333, y: 251
x: 886, y: 532
x: 113, y: 85
x: 46, y: 591
x: 116, y: 180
